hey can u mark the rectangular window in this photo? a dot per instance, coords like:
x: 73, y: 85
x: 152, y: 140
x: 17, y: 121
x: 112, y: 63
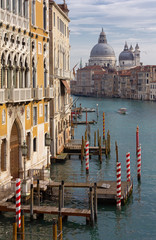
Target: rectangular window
x: 28, y: 142
x: 33, y: 12
x: 39, y: 48
x: 54, y: 19
x: 35, y: 144
x: 20, y: 7
x: 41, y: 110
x: 3, y: 4
x: 46, y: 113
x: 34, y: 116
x: 14, y: 6
x: 58, y: 23
x: 8, y: 5
x: 25, y: 9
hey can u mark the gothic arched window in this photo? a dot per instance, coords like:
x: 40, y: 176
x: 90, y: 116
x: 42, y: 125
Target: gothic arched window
x: 9, y: 72
x: 33, y: 73
x: 2, y: 71
x: 15, y: 73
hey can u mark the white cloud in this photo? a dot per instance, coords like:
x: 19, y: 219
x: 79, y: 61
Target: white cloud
x: 123, y: 20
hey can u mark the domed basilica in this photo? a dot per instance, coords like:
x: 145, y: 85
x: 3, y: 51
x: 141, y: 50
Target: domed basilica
x: 102, y: 54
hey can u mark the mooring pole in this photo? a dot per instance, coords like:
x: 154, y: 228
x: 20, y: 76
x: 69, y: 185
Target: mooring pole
x: 31, y: 201
x: 62, y: 194
x: 54, y: 229
x: 22, y: 225
x: 60, y: 227
x: 95, y: 139
x: 91, y: 206
x: 95, y: 201
x: 15, y: 229
x: 38, y: 191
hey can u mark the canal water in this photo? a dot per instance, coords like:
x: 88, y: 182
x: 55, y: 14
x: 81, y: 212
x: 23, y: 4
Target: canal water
x: 137, y: 219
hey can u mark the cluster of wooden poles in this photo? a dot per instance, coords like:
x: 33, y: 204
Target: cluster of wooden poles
x: 92, y: 202
x: 106, y: 143
x: 19, y: 233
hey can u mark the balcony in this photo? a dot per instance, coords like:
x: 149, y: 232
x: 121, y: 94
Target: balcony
x: 37, y: 93
x: 49, y: 93
x: 63, y: 74
x: 18, y: 95
x: 2, y: 96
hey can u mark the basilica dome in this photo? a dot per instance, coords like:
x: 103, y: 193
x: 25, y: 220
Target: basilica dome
x: 102, y: 53
x: 126, y: 54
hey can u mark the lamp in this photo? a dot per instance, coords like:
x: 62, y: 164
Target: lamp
x: 24, y: 149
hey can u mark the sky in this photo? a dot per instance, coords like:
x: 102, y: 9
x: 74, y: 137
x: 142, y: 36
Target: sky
x: 133, y: 21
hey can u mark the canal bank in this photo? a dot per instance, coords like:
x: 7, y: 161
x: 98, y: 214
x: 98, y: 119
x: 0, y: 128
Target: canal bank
x: 136, y: 220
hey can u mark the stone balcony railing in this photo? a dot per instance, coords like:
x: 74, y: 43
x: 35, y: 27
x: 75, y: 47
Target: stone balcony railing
x: 63, y: 74
x: 49, y: 92
x: 37, y: 93
x: 17, y: 95
x: 2, y: 96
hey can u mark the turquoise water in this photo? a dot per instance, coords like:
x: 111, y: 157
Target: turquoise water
x: 137, y: 219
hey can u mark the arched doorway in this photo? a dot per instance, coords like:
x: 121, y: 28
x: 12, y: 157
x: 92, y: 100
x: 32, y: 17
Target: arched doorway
x: 14, y: 151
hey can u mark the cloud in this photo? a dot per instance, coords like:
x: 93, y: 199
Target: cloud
x: 122, y: 20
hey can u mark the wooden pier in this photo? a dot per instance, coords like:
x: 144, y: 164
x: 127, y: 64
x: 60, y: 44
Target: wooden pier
x: 106, y: 190
x: 9, y: 207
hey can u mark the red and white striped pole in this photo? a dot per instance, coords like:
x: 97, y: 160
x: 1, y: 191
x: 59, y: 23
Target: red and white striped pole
x: 137, y: 138
x: 128, y: 166
x: 139, y: 163
x: 18, y: 202
x: 118, y: 187
x: 87, y: 157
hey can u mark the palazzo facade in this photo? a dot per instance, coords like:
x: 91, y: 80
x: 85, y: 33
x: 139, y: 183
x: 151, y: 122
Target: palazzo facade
x: 25, y: 90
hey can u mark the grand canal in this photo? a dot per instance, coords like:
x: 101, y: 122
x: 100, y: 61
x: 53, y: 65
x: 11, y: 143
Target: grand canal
x: 137, y: 219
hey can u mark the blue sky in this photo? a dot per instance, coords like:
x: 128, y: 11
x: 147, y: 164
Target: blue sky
x: 133, y: 21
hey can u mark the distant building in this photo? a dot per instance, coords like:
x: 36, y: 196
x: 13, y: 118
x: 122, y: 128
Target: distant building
x: 129, y: 58
x: 102, y: 53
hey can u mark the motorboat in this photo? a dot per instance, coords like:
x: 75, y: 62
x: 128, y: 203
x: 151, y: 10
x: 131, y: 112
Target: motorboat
x: 122, y: 110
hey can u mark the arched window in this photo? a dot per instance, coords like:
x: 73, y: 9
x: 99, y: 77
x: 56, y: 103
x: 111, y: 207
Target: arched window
x: 15, y: 73
x: 2, y: 71
x: 33, y: 73
x: 45, y: 74
x: 44, y: 15
x: 9, y: 72
x: 21, y: 73
x: 26, y: 74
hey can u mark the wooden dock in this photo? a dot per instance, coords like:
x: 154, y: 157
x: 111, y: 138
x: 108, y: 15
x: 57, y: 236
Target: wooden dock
x: 84, y: 122
x: 106, y: 190
x: 9, y: 207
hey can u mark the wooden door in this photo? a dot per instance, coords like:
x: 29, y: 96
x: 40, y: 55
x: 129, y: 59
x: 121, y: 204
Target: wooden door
x: 14, y: 152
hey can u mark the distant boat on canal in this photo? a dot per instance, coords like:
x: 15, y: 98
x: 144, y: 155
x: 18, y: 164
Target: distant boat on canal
x: 122, y: 110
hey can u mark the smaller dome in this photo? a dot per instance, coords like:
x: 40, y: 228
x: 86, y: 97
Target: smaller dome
x: 126, y: 55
